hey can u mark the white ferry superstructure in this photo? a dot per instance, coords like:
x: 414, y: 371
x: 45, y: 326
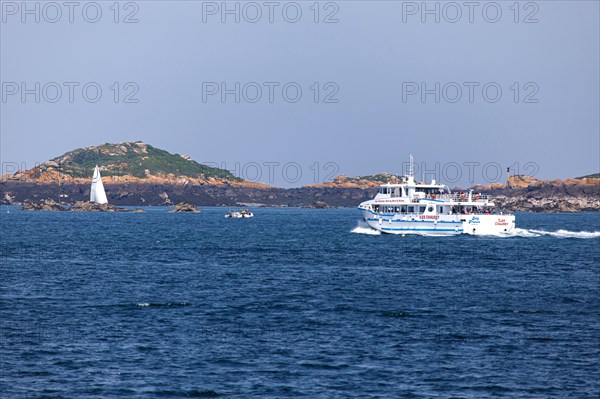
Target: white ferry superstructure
x: 412, y: 207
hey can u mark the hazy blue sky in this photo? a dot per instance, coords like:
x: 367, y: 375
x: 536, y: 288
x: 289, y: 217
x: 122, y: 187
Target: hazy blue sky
x: 374, y: 61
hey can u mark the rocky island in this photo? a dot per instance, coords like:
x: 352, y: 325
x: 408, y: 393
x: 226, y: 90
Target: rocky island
x: 79, y: 206
x: 138, y: 174
x: 43, y: 205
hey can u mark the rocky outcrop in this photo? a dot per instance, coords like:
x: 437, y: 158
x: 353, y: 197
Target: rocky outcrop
x: 548, y: 204
x: 79, y: 206
x: 84, y: 206
x: 525, y: 193
x: 319, y: 205
x: 44, y: 205
x: 185, y: 207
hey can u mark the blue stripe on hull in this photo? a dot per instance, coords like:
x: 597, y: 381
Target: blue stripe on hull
x: 415, y: 221
x: 419, y: 229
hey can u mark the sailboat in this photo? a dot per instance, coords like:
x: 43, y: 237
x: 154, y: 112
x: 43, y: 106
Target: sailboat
x: 97, y: 193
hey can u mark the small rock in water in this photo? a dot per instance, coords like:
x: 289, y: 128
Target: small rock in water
x: 319, y: 205
x: 84, y: 206
x: 185, y: 207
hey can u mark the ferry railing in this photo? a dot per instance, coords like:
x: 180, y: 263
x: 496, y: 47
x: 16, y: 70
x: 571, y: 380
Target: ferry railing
x: 416, y: 215
x: 458, y: 197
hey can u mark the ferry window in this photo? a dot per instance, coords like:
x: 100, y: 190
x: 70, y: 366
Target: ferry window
x: 430, y: 209
x: 404, y: 209
x: 411, y: 209
x: 422, y: 209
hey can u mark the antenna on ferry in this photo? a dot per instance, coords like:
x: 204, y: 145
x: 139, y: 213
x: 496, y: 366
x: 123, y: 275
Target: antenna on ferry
x: 411, y: 171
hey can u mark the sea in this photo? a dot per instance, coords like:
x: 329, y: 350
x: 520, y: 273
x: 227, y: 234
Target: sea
x: 294, y: 303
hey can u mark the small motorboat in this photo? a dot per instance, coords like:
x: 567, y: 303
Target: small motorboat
x: 239, y: 214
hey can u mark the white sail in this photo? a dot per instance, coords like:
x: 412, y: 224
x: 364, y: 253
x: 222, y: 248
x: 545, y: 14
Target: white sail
x: 97, y: 193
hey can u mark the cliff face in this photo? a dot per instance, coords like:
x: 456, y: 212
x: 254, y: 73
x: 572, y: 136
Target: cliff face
x: 524, y: 193
x: 138, y: 194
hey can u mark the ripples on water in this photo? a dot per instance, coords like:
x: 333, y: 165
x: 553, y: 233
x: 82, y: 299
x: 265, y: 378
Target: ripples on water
x: 292, y: 303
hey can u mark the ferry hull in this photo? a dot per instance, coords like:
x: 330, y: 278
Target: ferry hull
x: 441, y: 224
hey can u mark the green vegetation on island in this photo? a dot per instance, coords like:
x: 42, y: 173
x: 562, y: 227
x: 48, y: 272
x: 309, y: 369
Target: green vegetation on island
x: 378, y: 178
x: 132, y: 158
x: 592, y: 176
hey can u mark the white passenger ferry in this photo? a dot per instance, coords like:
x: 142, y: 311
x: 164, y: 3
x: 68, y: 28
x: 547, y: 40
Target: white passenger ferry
x: 416, y: 207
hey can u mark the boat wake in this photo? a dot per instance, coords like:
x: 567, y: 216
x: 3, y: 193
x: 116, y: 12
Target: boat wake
x: 529, y: 233
x: 558, y: 234
x: 363, y: 228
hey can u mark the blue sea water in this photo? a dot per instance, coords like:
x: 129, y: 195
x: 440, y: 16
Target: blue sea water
x: 294, y: 303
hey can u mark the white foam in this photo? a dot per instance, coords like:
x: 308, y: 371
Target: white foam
x: 568, y: 234
x: 143, y: 305
x: 558, y: 234
x: 429, y: 234
x: 363, y: 228
x: 517, y: 232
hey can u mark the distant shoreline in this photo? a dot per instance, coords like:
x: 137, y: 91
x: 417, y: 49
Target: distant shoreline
x: 543, y: 198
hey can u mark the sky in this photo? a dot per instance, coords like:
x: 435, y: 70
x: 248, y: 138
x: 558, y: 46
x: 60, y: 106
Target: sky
x: 294, y: 93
